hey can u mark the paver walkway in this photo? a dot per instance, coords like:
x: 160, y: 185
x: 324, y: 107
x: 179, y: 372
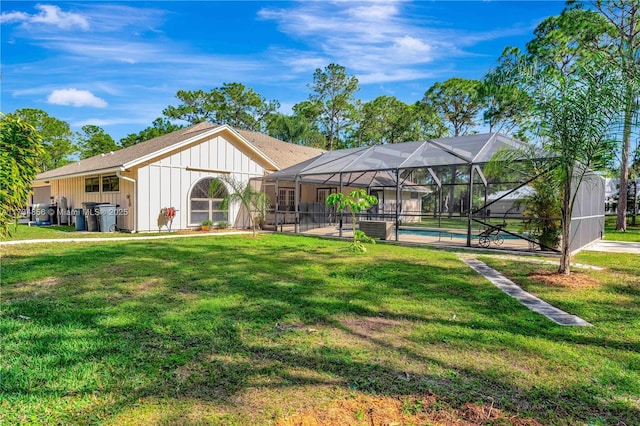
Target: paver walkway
x: 530, y: 301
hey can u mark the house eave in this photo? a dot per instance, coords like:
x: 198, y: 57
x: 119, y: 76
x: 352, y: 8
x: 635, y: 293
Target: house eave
x: 80, y: 174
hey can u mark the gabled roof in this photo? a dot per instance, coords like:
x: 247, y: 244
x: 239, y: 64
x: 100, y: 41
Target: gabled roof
x: 275, y: 153
x: 517, y: 194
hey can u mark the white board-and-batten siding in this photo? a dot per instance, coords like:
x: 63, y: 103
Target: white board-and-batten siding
x: 167, y: 182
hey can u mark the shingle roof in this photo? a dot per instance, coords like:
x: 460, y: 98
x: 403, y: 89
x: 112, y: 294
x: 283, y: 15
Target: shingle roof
x: 283, y: 154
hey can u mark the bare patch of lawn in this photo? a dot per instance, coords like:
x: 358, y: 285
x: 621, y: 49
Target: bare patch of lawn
x: 574, y: 280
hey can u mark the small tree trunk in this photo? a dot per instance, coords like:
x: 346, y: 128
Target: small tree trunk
x: 565, y: 254
x: 621, y: 222
x: 635, y: 204
x: 565, y: 257
x: 353, y: 225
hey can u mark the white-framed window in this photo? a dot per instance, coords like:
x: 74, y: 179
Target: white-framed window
x: 92, y: 184
x: 323, y: 193
x: 110, y: 183
x: 286, y: 199
x: 106, y: 183
x: 206, y: 205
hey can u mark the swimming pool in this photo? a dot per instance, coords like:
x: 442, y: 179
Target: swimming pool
x: 444, y: 233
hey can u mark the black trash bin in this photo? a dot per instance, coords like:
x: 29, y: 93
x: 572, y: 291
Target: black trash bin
x: 79, y: 219
x: 91, y: 215
x: 53, y: 214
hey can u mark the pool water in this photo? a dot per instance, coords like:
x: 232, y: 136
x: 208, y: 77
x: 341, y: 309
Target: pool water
x: 446, y: 234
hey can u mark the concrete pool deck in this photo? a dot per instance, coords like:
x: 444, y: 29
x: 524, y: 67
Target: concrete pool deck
x: 447, y: 238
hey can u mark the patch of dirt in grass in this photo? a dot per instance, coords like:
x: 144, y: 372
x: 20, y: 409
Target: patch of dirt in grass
x: 42, y: 283
x: 146, y: 286
x: 368, y: 325
x: 183, y: 373
x: 283, y: 328
x: 30, y: 290
x: 573, y: 280
x: 377, y: 410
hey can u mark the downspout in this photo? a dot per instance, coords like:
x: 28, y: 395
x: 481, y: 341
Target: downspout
x: 340, y: 213
x: 135, y: 200
x: 470, y: 206
x: 296, y: 202
x: 398, y: 203
x: 277, y: 207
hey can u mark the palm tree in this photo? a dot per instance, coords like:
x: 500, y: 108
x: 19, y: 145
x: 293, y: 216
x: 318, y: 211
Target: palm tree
x: 255, y: 202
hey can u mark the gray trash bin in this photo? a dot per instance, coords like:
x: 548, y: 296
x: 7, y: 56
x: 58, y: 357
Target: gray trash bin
x: 91, y: 215
x: 41, y: 213
x: 79, y: 219
x: 64, y: 212
x: 108, y: 216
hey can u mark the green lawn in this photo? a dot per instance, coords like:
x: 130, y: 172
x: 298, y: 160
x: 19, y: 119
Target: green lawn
x: 237, y: 330
x: 25, y: 232
x: 631, y: 235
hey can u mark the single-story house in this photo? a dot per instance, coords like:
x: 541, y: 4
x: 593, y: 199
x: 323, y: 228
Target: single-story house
x: 173, y: 170
x: 508, y: 203
x: 611, y: 190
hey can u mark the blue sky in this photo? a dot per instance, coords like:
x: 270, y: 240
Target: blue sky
x: 119, y: 64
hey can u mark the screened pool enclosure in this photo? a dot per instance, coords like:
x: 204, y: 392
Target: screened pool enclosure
x: 433, y: 191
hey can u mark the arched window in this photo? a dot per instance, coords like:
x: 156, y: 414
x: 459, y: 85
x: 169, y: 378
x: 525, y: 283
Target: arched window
x: 206, y: 205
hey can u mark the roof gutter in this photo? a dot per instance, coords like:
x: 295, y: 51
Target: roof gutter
x: 135, y: 199
x: 78, y: 174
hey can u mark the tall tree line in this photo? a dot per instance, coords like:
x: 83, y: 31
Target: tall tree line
x: 332, y: 117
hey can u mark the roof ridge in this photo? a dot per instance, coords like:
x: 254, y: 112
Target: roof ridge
x: 198, y: 127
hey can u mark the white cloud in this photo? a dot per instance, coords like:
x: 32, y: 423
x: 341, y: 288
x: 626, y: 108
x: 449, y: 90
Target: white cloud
x: 98, y: 48
x: 110, y: 18
x: 75, y: 97
x: 92, y: 122
x: 380, y: 41
x: 361, y: 36
x: 391, y: 76
x: 374, y: 12
x: 114, y: 121
x: 408, y: 45
x: 9, y: 17
x: 48, y: 15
